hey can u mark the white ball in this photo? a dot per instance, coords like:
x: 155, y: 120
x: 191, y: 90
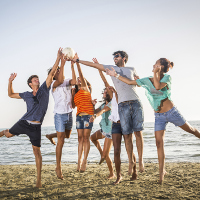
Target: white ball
x: 69, y: 52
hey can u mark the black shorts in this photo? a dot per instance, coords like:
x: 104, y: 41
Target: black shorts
x: 32, y: 130
x: 116, y: 128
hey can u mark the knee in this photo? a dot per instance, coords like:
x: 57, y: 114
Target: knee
x: 86, y: 139
x: 80, y: 139
x: 138, y: 134
x: 117, y: 152
x: 36, y: 152
x: 159, y: 143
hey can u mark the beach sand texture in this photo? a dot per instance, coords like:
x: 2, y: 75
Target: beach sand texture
x: 181, y: 182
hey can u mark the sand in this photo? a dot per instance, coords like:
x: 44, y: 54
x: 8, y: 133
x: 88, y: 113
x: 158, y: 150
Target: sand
x: 181, y: 182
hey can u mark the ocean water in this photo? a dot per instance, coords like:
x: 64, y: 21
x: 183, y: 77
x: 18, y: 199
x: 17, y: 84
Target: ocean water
x: 180, y: 146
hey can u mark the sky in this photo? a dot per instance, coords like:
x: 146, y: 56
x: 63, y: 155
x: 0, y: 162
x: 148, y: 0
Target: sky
x: 32, y: 32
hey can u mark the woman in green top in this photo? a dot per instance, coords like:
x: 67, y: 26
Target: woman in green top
x: 106, y: 126
x: 158, y: 92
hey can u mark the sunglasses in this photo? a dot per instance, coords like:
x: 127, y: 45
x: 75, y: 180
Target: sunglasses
x: 116, y: 56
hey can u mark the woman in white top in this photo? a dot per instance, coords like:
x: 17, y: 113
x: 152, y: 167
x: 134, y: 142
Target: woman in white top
x: 61, y: 91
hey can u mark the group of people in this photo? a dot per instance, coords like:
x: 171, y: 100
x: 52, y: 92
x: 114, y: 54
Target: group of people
x: 121, y: 112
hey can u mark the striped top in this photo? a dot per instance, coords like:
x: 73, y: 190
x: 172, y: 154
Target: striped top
x: 83, y: 102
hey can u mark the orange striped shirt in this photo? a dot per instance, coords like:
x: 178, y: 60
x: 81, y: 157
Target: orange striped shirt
x: 83, y: 102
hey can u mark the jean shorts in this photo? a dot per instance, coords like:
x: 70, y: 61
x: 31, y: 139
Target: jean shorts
x: 116, y: 128
x: 131, y: 116
x: 63, y: 122
x: 82, y: 122
x: 173, y: 116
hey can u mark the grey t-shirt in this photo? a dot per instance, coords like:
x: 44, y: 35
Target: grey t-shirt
x: 36, y: 105
x: 125, y: 92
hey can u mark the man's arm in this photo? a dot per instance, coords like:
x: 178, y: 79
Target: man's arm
x: 11, y: 93
x: 53, y: 71
x: 91, y: 64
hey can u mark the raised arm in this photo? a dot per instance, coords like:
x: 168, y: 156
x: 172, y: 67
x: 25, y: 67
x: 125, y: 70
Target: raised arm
x: 91, y: 64
x: 73, y: 80
x: 55, y: 66
x: 156, y: 78
x: 121, y: 78
x: 11, y: 93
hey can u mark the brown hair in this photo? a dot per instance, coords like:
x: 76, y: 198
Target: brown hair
x: 166, y: 63
x: 30, y: 79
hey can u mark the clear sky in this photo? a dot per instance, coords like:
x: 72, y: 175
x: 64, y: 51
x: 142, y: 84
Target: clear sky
x: 32, y: 31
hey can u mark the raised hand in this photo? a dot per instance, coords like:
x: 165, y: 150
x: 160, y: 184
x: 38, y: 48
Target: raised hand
x: 60, y: 54
x: 12, y: 77
x: 75, y: 58
x: 95, y: 60
x: 111, y: 72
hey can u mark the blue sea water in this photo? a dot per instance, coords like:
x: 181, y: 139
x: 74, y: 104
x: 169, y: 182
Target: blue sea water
x: 180, y: 146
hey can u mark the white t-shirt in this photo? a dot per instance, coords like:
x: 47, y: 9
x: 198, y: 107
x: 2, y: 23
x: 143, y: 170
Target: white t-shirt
x: 62, y: 97
x: 114, y: 116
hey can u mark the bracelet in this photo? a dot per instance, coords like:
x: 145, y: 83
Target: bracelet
x: 77, y: 60
x: 117, y: 76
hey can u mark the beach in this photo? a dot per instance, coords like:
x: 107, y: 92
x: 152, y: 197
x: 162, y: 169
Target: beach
x: 181, y: 182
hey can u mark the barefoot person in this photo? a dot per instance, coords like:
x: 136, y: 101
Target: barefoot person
x: 61, y: 91
x: 158, y: 92
x: 106, y: 125
x: 130, y: 108
x: 37, y: 103
x: 83, y: 101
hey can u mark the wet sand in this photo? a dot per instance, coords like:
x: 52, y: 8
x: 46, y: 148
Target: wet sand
x: 181, y: 182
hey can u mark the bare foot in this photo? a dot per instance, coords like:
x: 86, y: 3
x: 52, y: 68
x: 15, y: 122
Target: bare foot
x: 111, y: 176
x: 118, y: 180
x: 51, y: 139
x: 2, y: 133
x: 83, y: 167
x: 130, y: 168
x: 134, y: 176
x: 38, y: 184
x: 141, y: 167
x: 59, y: 174
x: 162, y: 177
x: 101, y: 161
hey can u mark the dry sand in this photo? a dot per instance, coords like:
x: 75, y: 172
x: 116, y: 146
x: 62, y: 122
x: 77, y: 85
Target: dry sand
x: 181, y: 182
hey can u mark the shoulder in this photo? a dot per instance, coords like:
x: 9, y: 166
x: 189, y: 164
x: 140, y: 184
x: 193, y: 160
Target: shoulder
x: 109, y: 66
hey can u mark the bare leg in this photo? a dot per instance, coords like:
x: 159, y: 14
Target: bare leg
x: 38, y: 160
x: 60, y: 143
x: 106, y: 151
x: 86, y: 146
x: 131, y: 156
x: 139, y: 144
x: 159, y: 135
x: 51, y: 136
x: 94, y: 138
x: 117, y: 137
x: 6, y: 133
x: 80, y: 147
x: 188, y: 128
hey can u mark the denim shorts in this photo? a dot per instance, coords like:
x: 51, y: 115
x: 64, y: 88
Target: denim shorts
x: 107, y: 135
x: 63, y: 122
x: 173, y: 116
x: 82, y: 122
x: 131, y: 116
x: 116, y: 128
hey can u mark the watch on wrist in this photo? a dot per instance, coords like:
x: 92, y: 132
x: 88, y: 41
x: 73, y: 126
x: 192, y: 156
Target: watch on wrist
x: 77, y: 60
x: 117, y: 76
x: 95, y: 116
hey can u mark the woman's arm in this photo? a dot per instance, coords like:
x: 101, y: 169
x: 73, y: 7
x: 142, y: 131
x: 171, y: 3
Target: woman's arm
x: 156, y: 78
x: 73, y: 94
x: 105, y: 109
x: 121, y: 78
x: 73, y: 80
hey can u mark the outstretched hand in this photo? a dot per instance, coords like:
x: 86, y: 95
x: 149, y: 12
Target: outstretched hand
x: 95, y: 60
x: 75, y: 58
x: 12, y: 77
x: 111, y: 72
x: 136, y: 77
x: 60, y: 54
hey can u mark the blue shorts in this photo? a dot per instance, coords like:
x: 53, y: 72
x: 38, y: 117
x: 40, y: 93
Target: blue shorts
x: 107, y: 135
x: 33, y: 131
x: 82, y: 122
x: 116, y: 128
x: 131, y: 116
x: 63, y: 122
x: 173, y: 116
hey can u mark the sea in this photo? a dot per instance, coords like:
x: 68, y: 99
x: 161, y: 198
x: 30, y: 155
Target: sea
x: 180, y: 146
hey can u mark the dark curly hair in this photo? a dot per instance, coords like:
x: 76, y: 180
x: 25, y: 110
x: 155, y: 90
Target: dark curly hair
x: 123, y: 54
x: 30, y: 79
x: 166, y: 63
